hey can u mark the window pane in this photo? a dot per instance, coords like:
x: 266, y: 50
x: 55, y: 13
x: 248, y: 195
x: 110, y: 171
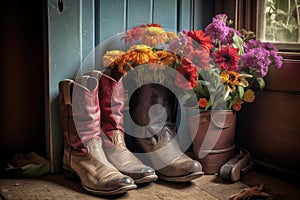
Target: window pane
x: 282, y: 21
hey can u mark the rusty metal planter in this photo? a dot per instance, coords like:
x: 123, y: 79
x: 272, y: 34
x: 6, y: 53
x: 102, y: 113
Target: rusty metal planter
x: 213, y: 134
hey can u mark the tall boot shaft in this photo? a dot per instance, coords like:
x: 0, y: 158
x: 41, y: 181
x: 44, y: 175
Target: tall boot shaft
x: 71, y: 138
x: 111, y: 101
x: 144, y: 109
x: 80, y: 113
x: 153, y: 108
x: 83, y: 151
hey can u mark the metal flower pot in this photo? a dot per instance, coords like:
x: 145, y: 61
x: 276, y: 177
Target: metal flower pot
x: 213, y: 134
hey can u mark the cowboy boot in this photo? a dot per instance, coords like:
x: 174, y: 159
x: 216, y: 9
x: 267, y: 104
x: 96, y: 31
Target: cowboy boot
x: 83, y: 152
x: 111, y: 99
x: 152, y: 108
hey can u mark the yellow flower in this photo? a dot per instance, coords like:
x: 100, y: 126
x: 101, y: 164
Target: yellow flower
x: 162, y: 59
x: 153, y: 36
x: 231, y: 79
x: 141, y: 47
x: 249, y: 96
x: 111, y: 58
x: 172, y: 36
x: 139, y: 54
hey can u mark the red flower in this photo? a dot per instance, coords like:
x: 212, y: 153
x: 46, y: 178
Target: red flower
x: 198, y: 59
x: 133, y: 35
x: 237, y: 106
x: 186, y: 78
x: 202, y: 103
x: 202, y: 38
x: 150, y: 25
x: 227, y: 58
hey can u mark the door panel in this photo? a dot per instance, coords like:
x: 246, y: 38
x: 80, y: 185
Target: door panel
x: 74, y: 33
x: 139, y: 12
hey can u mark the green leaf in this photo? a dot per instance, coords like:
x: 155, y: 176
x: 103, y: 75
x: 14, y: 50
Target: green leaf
x: 185, y: 97
x: 203, y: 82
x: 211, y: 100
x: 199, y: 90
x: 209, y: 103
x: 238, y: 43
x: 241, y: 92
x: 261, y: 83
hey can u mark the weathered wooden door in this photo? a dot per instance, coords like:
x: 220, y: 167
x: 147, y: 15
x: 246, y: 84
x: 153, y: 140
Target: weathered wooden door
x: 82, y: 24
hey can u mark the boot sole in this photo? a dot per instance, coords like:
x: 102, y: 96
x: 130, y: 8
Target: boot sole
x: 120, y: 190
x: 146, y: 179
x: 185, y: 178
x: 73, y: 176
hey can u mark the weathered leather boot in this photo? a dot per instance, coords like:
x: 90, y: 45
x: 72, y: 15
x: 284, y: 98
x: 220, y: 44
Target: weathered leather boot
x: 111, y: 100
x: 83, y: 152
x: 152, y: 107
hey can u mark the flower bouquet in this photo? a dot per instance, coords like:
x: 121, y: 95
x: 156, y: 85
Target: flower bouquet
x: 219, y: 65
x: 215, y: 70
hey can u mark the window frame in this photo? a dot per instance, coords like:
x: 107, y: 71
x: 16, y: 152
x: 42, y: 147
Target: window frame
x: 260, y: 33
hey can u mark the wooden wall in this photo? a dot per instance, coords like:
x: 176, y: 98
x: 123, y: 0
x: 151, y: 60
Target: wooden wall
x: 269, y: 128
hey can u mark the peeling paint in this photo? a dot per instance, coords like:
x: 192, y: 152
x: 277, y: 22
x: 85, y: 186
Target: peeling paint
x: 54, y: 7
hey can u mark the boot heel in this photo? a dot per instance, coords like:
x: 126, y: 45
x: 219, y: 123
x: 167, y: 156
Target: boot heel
x: 68, y: 174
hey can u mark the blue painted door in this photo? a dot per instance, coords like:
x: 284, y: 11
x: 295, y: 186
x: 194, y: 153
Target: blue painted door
x: 74, y: 32
x: 115, y: 16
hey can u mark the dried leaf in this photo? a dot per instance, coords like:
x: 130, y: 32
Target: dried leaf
x: 255, y: 192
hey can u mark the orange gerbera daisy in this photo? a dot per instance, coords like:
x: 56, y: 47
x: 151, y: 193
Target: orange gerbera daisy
x: 153, y: 36
x: 161, y: 59
x: 139, y: 54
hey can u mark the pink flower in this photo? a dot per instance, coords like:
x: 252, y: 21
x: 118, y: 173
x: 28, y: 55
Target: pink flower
x: 198, y: 59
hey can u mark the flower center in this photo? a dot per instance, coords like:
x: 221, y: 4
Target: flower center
x: 186, y: 76
x: 227, y: 57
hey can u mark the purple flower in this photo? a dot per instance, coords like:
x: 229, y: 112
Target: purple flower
x: 184, y: 31
x: 176, y: 46
x: 257, y: 60
x: 219, y: 31
x: 259, y: 56
x: 277, y: 60
x: 222, y: 17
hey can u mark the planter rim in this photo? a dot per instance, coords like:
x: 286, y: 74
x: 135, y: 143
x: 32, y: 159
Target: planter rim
x: 195, y: 111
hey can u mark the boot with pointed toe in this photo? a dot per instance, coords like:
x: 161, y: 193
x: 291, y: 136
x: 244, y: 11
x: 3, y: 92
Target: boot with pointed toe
x: 152, y: 108
x: 111, y: 101
x: 83, y: 152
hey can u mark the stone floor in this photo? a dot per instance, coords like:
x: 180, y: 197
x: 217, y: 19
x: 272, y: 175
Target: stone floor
x: 207, y: 187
